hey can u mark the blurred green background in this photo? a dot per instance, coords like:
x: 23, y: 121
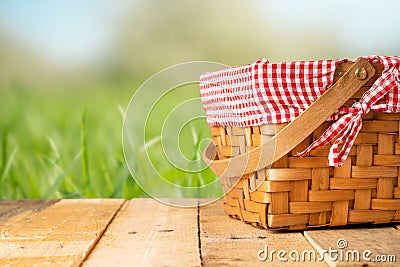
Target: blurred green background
x: 69, y: 68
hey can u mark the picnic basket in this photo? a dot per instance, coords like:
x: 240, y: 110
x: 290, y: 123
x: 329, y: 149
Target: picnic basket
x: 267, y: 185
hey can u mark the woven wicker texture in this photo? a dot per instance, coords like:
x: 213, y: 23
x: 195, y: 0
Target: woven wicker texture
x: 299, y: 193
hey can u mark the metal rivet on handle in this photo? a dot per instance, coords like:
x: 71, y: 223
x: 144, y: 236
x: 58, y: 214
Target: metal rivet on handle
x: 361, y: 73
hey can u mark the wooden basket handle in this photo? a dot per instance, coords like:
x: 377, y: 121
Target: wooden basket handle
x: 297, y: 130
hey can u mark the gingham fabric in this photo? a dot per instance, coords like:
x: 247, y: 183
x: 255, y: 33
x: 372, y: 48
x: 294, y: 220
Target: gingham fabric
x: 269, y: 93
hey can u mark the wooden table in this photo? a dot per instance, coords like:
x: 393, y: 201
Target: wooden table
x: 144, y: 232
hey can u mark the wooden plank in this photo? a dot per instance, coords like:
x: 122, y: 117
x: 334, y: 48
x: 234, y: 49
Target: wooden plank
x: 364, y: 155
x: 299, y: 190
x: 330, y: 195
x: 339, y: 213
x: 320, y: 178
x: 380, y: 126
x: 373, y: 216
x: 215, y: 130
x: 320, y: 130
x: 309, y: 207
x: 308, y: 162
x: 283, y: 162
x: 396, y: 192
x: 343, y: 171
x: 385, y: 144
x: 148, y: 233
x: 360, y: 92
x: 273, y: 186
x: 255, y: 130
x: 289, y: 174
x: 258, y: 140
x: 362, y: 199
x: 222, y: 133
x: 229, y: 242
x: 279, y: 203
x: 385, y: 204
x: 373, y: 172
x: 254, y: 206
x: 366, y: 138
x: 387, y: 116
x: 322, y: 151
x: 362, y: 240
x: 397, y: 148
x: 385, y: 188
x: 387, y: 160
x: 343, y: 67
x: 248, y: 136
x: 302, y: 146
x: 227, y: 151
x: 320, y: 181
x: 10, y: 208
x: 284, y: 220
x: 353, y: 183
x: 260, y: 197
x: 318, y: 218
x: 63, y: 234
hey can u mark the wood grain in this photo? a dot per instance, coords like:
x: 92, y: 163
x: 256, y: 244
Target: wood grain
x: 380, y: 241
x: 10, y: 208
x: 144, y: 232
x: 148, y: 233
x: 62, y: 234
x: 228, y: 242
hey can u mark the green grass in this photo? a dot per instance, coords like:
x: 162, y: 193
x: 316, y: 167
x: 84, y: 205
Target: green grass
x: 66, y: 143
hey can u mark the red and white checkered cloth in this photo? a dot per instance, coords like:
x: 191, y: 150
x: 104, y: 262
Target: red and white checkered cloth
x: 269, y: 93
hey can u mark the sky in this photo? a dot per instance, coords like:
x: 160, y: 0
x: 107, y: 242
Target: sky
x: 74, y: 31
x: 63, y: 31
x: 360, y: 27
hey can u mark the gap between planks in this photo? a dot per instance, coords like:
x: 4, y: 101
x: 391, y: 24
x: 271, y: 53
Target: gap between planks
x: 229, y: 242
x: 60, y: 235
x: 146, y: 232
x: 220, y: 239
x: 198, y: 236
x: 102, y: 232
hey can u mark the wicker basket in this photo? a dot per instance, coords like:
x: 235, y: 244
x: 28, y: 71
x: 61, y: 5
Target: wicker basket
x: 297, y: 193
